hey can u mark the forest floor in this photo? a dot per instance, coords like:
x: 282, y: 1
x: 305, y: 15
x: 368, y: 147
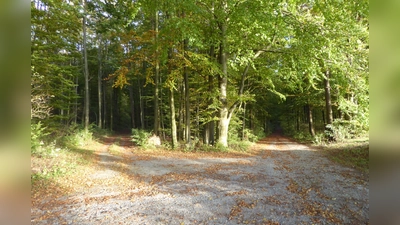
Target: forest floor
x: 277, y: 182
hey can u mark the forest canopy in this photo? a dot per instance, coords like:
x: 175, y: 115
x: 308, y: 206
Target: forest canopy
x: 210, y: 71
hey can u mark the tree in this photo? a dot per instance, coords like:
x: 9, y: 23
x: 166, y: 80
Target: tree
x: 86, y: 69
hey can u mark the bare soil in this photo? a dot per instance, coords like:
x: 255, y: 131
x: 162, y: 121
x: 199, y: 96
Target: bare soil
x: 278, y: 182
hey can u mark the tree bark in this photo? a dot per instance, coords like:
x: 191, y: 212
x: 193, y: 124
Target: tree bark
x: 244, y: 121
x: 175, y: 143
x: 328, y: 106
x: 156, y: 80
x: 187, y: 99
x: 224, y: 117
x: 132, y: 106
x: 328, y: 103
x: 142, y: 112
x: 99, y: 85
x: 310, y: 121
x: 86, y: 69
x: 209, y: 130
x: 180, y: 112
x: 112, y: 109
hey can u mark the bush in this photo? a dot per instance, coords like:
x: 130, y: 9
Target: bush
x: 319, y: 139
x: 303, y: 137
x: 140, y: 137
x: 77, y: 136
x: 37, y: 135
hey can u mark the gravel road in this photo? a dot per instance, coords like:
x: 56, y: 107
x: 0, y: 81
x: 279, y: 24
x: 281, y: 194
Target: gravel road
x: 283, y: 182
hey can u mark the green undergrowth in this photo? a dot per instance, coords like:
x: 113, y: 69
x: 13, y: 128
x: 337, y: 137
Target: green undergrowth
x: 145, y: 141
x: 59, y: 153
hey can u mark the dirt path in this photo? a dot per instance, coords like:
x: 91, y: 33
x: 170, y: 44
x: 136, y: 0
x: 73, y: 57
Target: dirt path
x: 282, y: 182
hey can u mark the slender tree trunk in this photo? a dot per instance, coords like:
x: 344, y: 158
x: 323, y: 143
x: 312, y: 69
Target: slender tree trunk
x: 132, y: 106
x: 105, y: 104
x: 209, y: 130
x: 104, y: 90
x: 310, y: 121
x: 175, y: 143
x: 328, y: 106
x: 187, y: 99
x: 142, y: 112
x: 86, y: 69
x: 244, y: 121
x: 99, y: 85
x: 112, y: 110
x: 76, y: 100
x: 180, y: 113
x: 161, y: 113
x: 156, y: 80
x: 328, y: 103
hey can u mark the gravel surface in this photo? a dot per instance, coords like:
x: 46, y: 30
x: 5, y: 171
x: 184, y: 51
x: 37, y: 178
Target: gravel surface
x: 284, y: 183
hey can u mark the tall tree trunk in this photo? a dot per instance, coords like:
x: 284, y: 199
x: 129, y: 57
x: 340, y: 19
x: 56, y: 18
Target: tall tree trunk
x: 180, y: 112
x: 187, y: 100
x: 142, y: 112
x: 175, y: 143
x: 105, y: 104
x: 244, y: 121
x: 132, y: 106
x: 310, y: 121
x: 209, y: 130
x: 328, y: 106
x: 328, y: 103
x: 224, y: 117
x: 156, y: 79
x: 112, y: 109
x: 76, y: 100
x: 99, y: 80
x: 161, y: 113
x: 86, y: 69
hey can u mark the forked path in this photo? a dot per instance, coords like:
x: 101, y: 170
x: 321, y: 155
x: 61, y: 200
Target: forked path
x: 280, y: 182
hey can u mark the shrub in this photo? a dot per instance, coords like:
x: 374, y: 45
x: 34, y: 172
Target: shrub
x: 319, y: 139
x: 38, y: 135
x: 140, y: 137
x: 303, y: 137
x: 77, y: 136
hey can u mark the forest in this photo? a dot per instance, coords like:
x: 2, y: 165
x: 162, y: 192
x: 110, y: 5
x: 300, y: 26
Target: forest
x: 201, y: 72
x: 200, y: 112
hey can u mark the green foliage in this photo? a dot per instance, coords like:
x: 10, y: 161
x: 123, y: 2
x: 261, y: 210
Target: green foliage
x: 303, y: 137
x: 239, y: 145
x: 38, y: 134
x: 345, y: 129
x: 53, y: 172
x: 141, y: 137
x: 220, y: 148
x: 319, y: 139
x: 77, y: 136
x: 40, y: 146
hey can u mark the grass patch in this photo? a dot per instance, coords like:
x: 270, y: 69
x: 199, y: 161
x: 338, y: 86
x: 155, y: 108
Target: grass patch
x: 353, y: 153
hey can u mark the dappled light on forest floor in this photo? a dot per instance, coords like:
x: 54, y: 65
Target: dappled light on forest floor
x: 273, y: 183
